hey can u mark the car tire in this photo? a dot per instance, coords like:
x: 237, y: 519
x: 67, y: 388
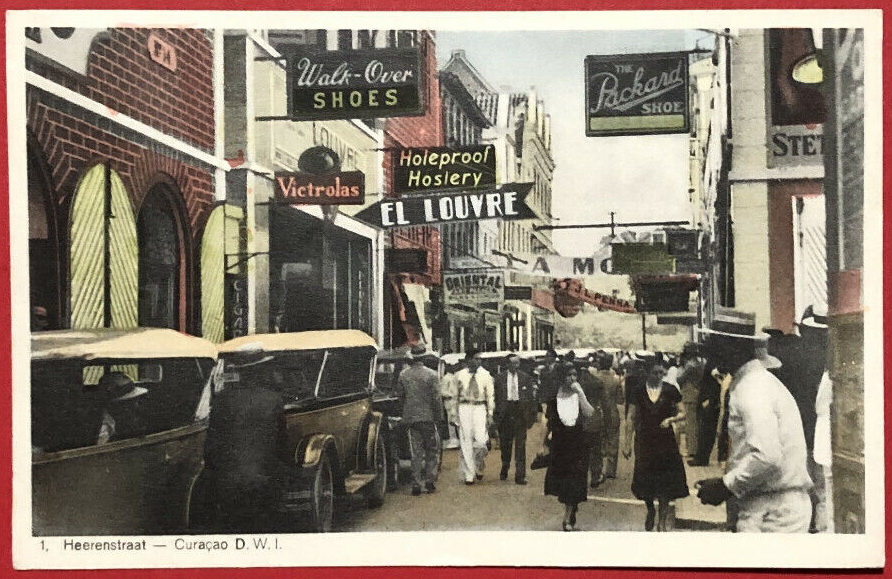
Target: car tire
x: 322, y: 496
x: 378, y: 488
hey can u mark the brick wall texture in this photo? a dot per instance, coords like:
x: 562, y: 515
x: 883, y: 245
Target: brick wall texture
x: 420, y: 131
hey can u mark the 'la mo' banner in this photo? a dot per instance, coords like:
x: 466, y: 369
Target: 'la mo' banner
x: 501, y: 202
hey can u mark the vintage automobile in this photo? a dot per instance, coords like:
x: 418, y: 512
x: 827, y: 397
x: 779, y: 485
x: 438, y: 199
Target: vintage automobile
x: 292, y: 431
x: 386, y: 400
x: 118, y: 423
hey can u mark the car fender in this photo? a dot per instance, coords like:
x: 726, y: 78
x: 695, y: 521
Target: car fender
x: 309, y: 452
x: 373, y: 432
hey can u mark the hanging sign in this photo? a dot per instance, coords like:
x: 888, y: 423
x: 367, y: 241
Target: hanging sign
x: 558, y: 266
x: 573, y: 288
x: 639, y: 94
x: 443, y: 168
x: 346, y: 188
x: 353, y: 84
x: 480, y: 289
x: 502, y: 202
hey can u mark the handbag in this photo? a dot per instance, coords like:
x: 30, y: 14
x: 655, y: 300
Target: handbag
x: 542, y: 460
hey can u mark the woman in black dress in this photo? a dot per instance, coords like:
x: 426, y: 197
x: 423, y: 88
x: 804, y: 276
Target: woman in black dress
x: 567, y: 474
x: 659, y: 471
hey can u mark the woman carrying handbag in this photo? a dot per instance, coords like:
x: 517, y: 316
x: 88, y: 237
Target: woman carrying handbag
x: 567, y: 472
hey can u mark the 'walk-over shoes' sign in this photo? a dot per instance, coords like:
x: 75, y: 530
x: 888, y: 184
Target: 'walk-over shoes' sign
x: 502, y: 202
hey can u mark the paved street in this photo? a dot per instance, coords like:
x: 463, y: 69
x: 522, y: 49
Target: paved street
x: 494, y: 505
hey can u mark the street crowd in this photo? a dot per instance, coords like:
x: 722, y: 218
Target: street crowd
x: 760, y: 400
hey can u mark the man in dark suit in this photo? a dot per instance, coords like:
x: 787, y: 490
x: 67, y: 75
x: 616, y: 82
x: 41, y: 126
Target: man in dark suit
x: 515, y: 413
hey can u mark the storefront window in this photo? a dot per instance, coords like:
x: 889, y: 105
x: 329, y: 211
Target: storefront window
x: 159, y: 264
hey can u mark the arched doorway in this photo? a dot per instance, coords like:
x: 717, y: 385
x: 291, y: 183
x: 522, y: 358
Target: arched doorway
x: 161, y: 261
x: 43, y: 248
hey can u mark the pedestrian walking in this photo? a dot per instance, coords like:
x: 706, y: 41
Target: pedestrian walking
x: 594, y: 426
x: 708, y: 409
x: 692, y: 368
x: 419, y: 391
x: 613, y: 388
x: 515, y: 413
x: 659, y: 471
x: 449, y: 393
x: 474, y: 408
x: 767, y: 473
x: 568, y: 471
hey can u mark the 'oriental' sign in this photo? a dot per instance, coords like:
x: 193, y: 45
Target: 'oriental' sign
x: 354, y: 84
x: 574, y: 289
x: 347, y: 188
x: 502, y: 202
x: 640, y: 94
x: 477, y: 289
x: 443, y: 168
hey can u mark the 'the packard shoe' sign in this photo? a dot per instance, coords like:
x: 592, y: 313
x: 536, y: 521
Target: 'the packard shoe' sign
x: 354, y: 84
x: 347, y: 188
x: 443, y: 168
x: 641, y: 94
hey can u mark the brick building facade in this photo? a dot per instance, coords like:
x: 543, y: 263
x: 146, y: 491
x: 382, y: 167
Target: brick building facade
x: 132, y: 132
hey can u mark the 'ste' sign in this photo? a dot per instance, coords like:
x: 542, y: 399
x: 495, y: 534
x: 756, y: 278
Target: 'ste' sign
x: 502, y: 202
x: 347, y: 188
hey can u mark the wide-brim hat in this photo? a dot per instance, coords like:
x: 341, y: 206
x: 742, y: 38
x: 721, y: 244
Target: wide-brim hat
x: 815, y: 316
x: 420, y: 351
x: 119, y: 387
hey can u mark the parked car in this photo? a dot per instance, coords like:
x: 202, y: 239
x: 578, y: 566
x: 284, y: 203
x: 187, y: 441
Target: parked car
x: 292, y: 432
x: 386, y: 399
x: 118, y: 423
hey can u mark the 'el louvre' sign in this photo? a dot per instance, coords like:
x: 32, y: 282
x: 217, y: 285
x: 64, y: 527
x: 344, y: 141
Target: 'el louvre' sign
x: 641, y: 94
x: 353, y: 84
x: 443, y: 168
x: 501, y: 202
x: 347, y: 188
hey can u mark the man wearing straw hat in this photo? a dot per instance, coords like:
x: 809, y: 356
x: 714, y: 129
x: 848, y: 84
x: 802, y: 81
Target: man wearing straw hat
x: 767, y: 473
x: 419, y: 390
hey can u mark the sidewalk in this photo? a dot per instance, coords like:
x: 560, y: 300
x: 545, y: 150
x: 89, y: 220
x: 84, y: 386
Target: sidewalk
x: 690, y: 513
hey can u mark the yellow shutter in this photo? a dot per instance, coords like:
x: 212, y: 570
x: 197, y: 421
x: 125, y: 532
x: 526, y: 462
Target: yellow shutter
x: 87, y: 254
x: 212, y: 264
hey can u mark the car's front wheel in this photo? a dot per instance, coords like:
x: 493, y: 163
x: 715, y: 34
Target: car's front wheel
x: 322, y: 496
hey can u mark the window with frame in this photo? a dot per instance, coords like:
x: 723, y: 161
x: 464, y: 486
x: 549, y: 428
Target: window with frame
x: 346, y: 372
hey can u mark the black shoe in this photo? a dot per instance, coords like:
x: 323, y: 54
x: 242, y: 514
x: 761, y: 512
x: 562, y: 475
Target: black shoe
x: 469, y: 482
x: 649, y: 521
x: 429, y: 487
x: 416, y: 490
x: 520, y: 481
x: 503, y: 474
x: 479, y: 477
x: 695, y: 462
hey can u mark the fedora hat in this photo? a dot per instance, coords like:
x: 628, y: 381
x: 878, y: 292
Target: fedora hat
x: 419, y: 351
x: 119, y: 387
x: 815, y: 316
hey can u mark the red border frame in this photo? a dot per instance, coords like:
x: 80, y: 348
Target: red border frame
x: 6, y: 569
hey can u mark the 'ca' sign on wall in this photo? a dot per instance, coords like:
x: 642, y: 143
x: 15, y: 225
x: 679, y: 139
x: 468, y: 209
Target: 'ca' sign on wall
x: 641, y: 94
